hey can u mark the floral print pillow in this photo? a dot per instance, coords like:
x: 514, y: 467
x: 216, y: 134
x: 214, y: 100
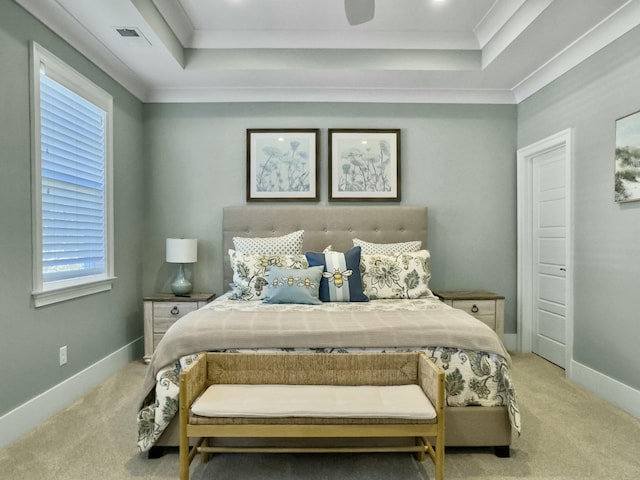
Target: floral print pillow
x: 402, y: 275
x: 250, y: 272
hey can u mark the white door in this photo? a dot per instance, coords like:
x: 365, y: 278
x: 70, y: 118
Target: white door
x: 549, y: 262
x: 545, y: 280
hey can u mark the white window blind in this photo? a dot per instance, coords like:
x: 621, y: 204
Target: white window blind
x: 72, y: 176
x: 73, y: 184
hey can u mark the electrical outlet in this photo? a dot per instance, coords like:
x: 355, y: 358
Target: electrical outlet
x: 63, y: 355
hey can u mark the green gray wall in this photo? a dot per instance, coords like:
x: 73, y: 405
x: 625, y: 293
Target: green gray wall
x: 92, y: 327
x: 459, y: 160
x: 177, y: 165
x: 606, y: 260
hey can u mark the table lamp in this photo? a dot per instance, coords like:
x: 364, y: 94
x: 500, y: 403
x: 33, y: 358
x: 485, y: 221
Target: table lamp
x: 182, y: 250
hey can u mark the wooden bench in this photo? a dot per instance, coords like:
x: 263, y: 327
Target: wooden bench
x: 379, y: 373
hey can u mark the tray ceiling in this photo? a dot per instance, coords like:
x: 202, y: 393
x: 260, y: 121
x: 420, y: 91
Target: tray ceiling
x: 413, y: 51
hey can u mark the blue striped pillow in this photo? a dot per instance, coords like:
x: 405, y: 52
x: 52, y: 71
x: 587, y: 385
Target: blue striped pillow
x: 341, y: 280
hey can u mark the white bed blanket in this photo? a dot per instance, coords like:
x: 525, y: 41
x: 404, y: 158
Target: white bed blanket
x: 476, y: 364
x: 227, y: 324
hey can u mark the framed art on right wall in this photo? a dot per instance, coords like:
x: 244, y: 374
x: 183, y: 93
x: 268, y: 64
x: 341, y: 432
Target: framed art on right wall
x: 627, y: 174
x: 364, y: 165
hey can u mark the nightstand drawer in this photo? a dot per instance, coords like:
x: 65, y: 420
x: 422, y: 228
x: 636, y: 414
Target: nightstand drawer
x: 162, y: 310
x: 485, y: 306
x: 165, y: 314
x: 484, y: 310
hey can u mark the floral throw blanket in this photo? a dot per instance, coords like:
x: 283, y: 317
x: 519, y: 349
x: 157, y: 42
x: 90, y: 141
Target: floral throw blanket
x: 473, y: 378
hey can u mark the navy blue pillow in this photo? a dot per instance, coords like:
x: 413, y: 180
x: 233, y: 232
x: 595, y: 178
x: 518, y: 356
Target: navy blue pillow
x: 341, y: 281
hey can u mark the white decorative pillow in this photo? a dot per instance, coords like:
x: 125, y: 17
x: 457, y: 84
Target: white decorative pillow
x: 404, y: 275
x: 290, y: 244
x: 370, y: 248
x: 250, y: 272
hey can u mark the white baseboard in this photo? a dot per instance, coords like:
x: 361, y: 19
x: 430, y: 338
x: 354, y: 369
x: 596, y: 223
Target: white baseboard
x: 615, y: 392
x: 26, y: 416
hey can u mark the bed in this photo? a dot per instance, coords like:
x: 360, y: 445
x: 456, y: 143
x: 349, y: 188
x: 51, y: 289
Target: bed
x: 482, y: 409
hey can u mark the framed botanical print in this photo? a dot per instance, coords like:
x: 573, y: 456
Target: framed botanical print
x: 364, y: 165
x: 282, y: 165
x: 627, y: 162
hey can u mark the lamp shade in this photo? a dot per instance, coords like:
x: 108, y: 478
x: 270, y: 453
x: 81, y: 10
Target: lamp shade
x: 182, y: 250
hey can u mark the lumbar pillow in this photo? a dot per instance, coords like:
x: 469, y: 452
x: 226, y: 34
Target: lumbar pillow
x: 293, y: 285
x: 250, y: 272
x: 405, y: 275
x: 341, y: 281
x: 370, y: 248
x: 290, y: 244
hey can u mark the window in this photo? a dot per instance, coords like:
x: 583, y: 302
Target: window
x: 72, y: 176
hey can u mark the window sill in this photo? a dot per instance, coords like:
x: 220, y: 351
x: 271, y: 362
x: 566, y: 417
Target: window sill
x: 56, y: 295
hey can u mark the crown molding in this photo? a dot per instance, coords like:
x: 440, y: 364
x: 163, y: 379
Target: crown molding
x: 623, y: 20
x: 329, y: 94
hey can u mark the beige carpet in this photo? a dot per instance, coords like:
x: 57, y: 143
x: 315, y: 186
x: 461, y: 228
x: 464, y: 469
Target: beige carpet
x: 567, y: 434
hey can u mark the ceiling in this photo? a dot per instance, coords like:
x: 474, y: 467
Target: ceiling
x: 413, y: 51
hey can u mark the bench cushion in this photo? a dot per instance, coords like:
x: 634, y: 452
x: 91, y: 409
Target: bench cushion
x: 398, y: 401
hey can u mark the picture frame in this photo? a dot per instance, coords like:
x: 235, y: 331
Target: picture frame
x: 627, y: 158
x: 364, y: 165
x: 283, y: 165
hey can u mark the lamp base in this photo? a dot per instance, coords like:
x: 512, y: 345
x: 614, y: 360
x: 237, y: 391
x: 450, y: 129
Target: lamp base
x: 181, y: 287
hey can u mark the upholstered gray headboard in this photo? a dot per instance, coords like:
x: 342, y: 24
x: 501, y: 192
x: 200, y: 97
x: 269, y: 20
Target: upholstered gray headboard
x: 323, y: 225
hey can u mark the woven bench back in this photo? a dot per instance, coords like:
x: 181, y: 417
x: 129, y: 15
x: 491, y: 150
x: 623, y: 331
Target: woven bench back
x: 313, y: 368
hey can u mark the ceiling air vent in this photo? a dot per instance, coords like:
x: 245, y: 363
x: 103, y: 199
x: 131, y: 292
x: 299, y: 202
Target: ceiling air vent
x: 127, y: 32
x: 133, y: 36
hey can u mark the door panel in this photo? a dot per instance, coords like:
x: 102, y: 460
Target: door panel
x: 551, y: 213
x: 552, y: 176
x: 551, y: 325
x: 551, y: 307
x: 549, y: 205
x: 551, y: 289
x: 552, y: 251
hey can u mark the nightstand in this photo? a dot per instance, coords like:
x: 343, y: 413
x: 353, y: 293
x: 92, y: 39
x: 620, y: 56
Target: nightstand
x: 161, y: 310
x: 485, y: 306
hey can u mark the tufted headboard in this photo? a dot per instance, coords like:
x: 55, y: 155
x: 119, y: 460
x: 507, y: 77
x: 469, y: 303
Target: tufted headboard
x: 323, y: 225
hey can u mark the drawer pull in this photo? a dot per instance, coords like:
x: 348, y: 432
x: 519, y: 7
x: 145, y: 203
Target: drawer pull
x: 175, y: 311
x: 475, y: 309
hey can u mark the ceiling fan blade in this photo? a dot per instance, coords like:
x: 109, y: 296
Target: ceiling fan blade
x: 359, y: 11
